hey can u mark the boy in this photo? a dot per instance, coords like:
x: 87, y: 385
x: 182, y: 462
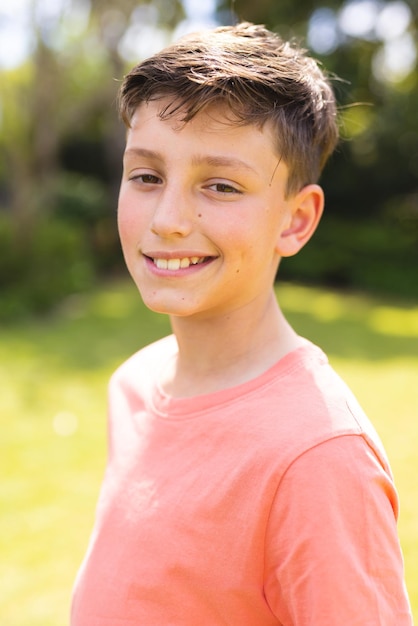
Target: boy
x: 244, y: 485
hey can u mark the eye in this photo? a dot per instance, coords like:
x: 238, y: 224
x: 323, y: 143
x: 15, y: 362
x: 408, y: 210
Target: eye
x: 146, y: 179
x: 224, y: 188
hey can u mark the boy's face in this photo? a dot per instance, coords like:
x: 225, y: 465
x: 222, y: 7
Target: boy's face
x: 201, y: 209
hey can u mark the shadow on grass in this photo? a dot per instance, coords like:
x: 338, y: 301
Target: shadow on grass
x: 346, y: 338
x: 348, y: 325
x: 89, y: 331
x: 105, y: 327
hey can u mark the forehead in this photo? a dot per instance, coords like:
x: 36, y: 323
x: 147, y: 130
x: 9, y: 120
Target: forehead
x: 216, y: 117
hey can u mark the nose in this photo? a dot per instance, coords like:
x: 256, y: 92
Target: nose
x: 173, y: 214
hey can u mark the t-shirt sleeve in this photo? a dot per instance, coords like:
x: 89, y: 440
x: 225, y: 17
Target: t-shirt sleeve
x: 332, y: 550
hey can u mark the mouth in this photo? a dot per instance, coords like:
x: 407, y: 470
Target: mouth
x: 179, y: 263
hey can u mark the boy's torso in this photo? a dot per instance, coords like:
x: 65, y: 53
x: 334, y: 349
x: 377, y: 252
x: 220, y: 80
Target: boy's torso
x: 185, y: 505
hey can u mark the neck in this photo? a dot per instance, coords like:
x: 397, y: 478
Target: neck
x: 214, y: 354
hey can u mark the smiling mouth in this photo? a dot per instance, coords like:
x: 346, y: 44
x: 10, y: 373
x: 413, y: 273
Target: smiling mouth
x: 181, y: 263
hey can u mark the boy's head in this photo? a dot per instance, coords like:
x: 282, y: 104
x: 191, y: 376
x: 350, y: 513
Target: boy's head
x: 259, y: 77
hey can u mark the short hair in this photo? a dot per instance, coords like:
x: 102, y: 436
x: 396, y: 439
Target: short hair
x: 260, y: 77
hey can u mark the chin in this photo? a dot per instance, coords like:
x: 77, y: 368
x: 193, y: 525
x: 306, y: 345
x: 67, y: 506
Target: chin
x: 166, y: 306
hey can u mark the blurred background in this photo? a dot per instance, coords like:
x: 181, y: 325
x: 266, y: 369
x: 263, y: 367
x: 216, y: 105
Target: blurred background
x: 61, y: 62
x: 69, y: 315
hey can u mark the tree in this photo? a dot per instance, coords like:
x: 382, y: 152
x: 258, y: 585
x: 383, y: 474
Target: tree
x: 69, y: 80
x: 61, y: 141
x: 371, y: 221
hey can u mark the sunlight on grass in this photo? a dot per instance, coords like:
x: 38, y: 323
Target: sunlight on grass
x: 392, y: 321
x: 324, y: 306
x: 54, y: 375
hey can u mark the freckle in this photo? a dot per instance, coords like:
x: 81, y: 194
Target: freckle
x: 199, y: 215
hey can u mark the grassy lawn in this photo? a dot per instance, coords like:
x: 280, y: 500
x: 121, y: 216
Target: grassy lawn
x: 54, y: 374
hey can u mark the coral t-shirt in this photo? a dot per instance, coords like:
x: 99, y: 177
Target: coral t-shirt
x: 270, y: 503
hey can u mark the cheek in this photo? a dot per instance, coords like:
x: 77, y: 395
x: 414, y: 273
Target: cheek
x: 125, y: 222
x: 129, y: 219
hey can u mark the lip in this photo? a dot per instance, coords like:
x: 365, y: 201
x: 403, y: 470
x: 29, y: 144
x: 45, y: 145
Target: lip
x: 197, y: 262
x: 175, y: 254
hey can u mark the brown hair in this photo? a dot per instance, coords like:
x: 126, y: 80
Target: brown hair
x: 258, y: 76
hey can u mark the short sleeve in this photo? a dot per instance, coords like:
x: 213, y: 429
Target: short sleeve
x: 332, y: 551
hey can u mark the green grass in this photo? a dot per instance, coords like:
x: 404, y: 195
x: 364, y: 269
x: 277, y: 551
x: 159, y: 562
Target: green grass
x: 54, y: 375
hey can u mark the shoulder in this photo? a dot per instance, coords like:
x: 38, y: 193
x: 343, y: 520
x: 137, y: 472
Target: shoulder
x: 150, y: 355
x: 130, y: 389
x: 307, y: 404
x: 143, y: 367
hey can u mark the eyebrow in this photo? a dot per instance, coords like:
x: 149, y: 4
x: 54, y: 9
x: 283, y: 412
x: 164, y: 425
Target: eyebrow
x: 222, y: 161
x: 213, y: 160
x: 148, y: 154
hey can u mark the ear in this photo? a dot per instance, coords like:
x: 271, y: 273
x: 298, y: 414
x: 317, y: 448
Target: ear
x: 305, y: 210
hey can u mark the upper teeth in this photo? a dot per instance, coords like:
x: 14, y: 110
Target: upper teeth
x: 175, y: 264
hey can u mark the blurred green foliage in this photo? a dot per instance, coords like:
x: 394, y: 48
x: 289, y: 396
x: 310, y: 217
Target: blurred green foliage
x: 61, y: 144
x: 38, y: 269
x: 380, y: 256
